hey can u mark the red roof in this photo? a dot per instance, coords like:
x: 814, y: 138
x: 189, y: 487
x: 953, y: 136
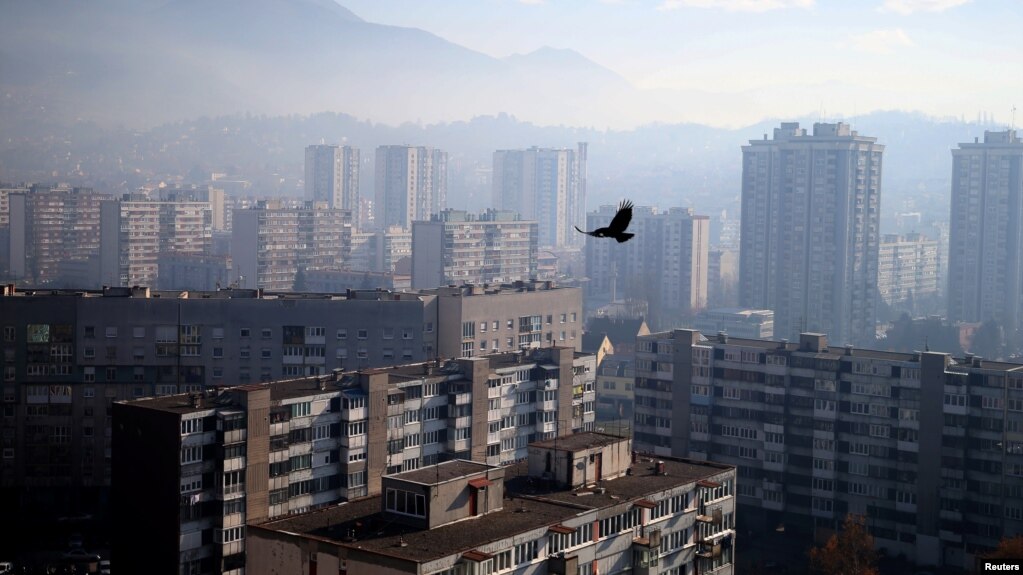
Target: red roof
x: 705, y: 483
x: 480, y: 483
x: 562, y: 529
x: 476, y: 556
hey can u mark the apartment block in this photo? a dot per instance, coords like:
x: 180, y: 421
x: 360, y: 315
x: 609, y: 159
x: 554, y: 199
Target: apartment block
x: 530, y: 314
x: 722, y: 277
x: 907, y: 268
x: 985, y: 247
x: 460, y: 517
x: 666, y: 264
x: 544, y: 185
x: 68, y: 354
x: 50, y: 225
x: 456, y: 247
x: 811, y: 230
x: 212, y: 194
x: 616, y: 377
x: 271, y: 242
x: 388, y: 251
x: 258, y: 452
x: 332, y: 176
x: 736, y: 322
x: 929, y: 448
x: 411, y: 184
x: 136, y: 229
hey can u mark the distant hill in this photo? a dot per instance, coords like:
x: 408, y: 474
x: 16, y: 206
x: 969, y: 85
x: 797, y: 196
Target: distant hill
x: 143, y: 63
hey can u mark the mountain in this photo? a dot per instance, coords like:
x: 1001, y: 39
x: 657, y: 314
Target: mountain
x: 143, y: 63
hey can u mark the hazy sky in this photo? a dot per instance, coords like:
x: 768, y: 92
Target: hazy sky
x: 738, y: 61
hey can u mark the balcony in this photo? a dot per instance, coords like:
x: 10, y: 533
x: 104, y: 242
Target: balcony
x: 460, y: 398
x: 558, y: 564
x: 712, y: 517
x: 231, y: 491
x: 550, y: 384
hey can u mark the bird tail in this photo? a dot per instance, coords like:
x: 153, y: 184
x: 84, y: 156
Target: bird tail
x: 624, y: 237
x: 578, y: 230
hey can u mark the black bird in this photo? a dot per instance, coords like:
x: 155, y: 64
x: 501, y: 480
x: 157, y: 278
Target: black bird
x: 616, y: 229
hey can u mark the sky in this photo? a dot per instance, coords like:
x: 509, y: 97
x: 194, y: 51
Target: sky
x: 739, y: 61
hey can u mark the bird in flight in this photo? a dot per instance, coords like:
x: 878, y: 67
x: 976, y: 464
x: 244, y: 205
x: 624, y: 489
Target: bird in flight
x: 616, y: 229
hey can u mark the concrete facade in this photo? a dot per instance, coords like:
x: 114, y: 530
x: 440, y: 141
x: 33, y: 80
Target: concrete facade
x: 332, y: 176
x: 908, y: 268
x: 811, y: 230
x: 456, y: 247
x: 271, y: 242
x: 666, y: 264
x: 653, y: 516
x: 260, y: 452
x: 411, y: 184
x: 985, y: 242
x: 736, y: 322
x: 927, y: 447
x: 544, y: 185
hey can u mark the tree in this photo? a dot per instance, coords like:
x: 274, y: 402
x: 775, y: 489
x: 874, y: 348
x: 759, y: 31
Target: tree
x: 848, y: 552
x: 1008, y: 549
x: 300, y: 282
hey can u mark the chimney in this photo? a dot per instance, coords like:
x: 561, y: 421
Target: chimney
x: 197, y: 401
x: 783, y: 344
x: 660, y: 468
x: 848, y: 349
x: 722, y: 337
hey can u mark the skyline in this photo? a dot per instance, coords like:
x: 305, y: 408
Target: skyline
x: 691, y: 58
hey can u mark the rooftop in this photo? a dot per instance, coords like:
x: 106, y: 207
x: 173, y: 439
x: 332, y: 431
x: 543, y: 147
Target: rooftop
x: 527, y: 505
x: 579, y: 441
x: 442, y: 472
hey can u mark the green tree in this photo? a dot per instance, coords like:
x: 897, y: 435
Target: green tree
x: 848, y: 552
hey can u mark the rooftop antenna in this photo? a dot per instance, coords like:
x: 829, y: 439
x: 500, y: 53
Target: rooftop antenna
x: 1012, y: 126
x: 927, y: 346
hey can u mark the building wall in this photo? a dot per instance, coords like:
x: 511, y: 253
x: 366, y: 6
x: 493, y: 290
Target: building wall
x: 985, y: 245
x: 908, y: 268
x: 810, y: 230
x: 818, y: 432
x: 410, y: 183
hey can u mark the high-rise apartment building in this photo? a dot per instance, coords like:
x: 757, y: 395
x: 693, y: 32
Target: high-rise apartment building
x: 927, y: 447
x: 258, y: 452
x: 271, y: 242
x: 411, y: 184
x: 810, y: 230
x: 332, y: 176
x: 908, y: 268
x: 212, y: 194
x: 671, y: 516
x: 135, y: 230
x: 50, y: 226
x: 665, y: 264
x: 985, y: 256
x: 544, y: 185
x: 456, y: 247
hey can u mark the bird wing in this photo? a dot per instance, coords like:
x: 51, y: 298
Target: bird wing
x: 622, y: 218
x: 583, y: 231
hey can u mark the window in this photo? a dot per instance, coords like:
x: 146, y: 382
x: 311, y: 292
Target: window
x: 955, y: 400
x: 363, y: 333
x: 405, y: 502
x: 111, y: 332
x: 228, y: 535
x: 526, y: 552
x: 191, y: 426
x: 191, y: 454
x: 301, y: 462
x: 301, y: 409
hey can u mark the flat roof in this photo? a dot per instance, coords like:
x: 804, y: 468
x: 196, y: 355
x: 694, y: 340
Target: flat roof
x: 361, y: 525
x: 579, y: 441
x: 445, y: 471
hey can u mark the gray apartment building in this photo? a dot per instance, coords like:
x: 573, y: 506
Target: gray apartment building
x: 271, y: 242
x: 332, y: 176
x: 928, y: 447
x: 544, y: 185
x: 386, y: 251
x: 50, y: 227
x: 214, y: 463
x: 457, y: 247
x: 666, y: 264
x: 67, y: 355
x: 641, y: 516
x: 811, y: 229
x: 136, y: 229
x: 908, y: 269
x: 736, y: 322
x: 985, y: 246
x: 411, y: 184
